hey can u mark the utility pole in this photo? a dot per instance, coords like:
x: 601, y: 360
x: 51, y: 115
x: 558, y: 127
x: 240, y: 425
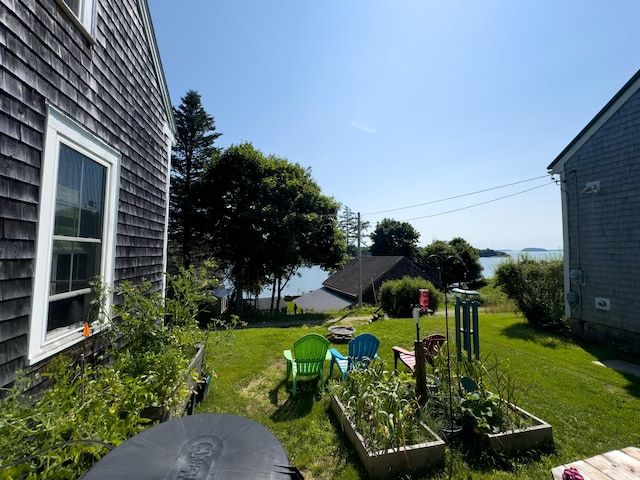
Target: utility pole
x: 359, y: 265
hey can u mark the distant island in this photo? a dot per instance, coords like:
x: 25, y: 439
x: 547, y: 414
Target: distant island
x: 487, y: 252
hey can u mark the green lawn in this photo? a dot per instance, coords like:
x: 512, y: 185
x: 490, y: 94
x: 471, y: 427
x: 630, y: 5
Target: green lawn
x: 592, y: 409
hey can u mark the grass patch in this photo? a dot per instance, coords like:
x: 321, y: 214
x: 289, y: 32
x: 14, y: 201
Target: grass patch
x: 590, y: 407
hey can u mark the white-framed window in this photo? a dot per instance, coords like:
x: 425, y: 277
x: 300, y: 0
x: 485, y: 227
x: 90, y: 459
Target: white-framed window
x: 81, y: 11
x: 76, y: 233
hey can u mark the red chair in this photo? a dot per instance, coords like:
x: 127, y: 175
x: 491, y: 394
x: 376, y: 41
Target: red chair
x: 431, y: 343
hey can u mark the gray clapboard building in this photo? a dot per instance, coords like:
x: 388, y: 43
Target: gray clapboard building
x: 86, y: 130
x: 600, y: 174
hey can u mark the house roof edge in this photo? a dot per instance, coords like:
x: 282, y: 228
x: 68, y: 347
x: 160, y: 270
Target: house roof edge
x: 629, y: 88
x: 157, y: 62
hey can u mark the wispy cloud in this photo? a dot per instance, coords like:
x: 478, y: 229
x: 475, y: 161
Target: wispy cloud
x: 363, y: 127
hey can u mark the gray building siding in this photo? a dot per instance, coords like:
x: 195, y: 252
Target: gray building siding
x: 603, y: 229
x: 112, y: 89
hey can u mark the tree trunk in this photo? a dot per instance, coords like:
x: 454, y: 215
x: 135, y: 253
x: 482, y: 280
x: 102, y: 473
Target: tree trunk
x: 239, y: 295
x: 273, y: 294
x: 280, y: 287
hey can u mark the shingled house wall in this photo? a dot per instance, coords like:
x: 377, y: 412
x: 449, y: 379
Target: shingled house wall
x: 601, y: 205
x: 108, y: 83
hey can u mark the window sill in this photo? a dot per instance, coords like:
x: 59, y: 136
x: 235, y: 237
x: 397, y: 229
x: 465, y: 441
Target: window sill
x: 60, y: 340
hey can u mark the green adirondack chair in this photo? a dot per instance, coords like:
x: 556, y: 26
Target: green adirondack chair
x: 308, y: 357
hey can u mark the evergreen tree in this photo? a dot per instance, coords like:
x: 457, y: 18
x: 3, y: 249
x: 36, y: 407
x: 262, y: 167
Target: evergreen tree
x: 348, y: 224
x: 196, y: 134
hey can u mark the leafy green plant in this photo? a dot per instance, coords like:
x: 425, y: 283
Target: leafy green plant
x: 155, y: 338
x: 187, y: 294
x: 536, y: 288
x: 382, y: 405
x: 87, y: 411
x: 483, y: 410
x: 397, y: 296
x: 484, y: 392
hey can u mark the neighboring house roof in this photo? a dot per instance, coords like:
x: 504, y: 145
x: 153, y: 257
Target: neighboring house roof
x: 629, y: 89
x: 374, y: 269
x: 340, y: 290
x: 220, y: 292
x: 322, y: 300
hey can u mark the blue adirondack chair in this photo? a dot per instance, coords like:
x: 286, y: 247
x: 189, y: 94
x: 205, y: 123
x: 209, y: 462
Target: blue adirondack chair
x: 307, y: 359
x: 362, y: 349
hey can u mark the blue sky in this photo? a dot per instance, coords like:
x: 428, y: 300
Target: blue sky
x: 407, y: 103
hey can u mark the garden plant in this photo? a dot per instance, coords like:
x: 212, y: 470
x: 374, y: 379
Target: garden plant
x: 92, y: 407
x: 383, y: 406
x: 250, y: 371
x: 541, y: 361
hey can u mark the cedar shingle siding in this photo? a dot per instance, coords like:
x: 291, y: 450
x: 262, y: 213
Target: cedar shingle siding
x: 602, y: 229
x: 113, y: 90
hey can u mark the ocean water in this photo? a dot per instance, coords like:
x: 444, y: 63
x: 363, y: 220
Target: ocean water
x: 490, y: 263
x: 312, y: 278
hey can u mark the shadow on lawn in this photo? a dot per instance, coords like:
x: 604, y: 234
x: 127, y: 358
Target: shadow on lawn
x: 604, y: 353
x: 545, y: 338
x: 294, y: 407
x: 480, y: 459
x: 551, y: 339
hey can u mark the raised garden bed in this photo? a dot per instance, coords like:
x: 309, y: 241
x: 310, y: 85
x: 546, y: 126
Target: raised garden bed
x: 385, y: 463
x: 538, y: 434
x: 163, y: 413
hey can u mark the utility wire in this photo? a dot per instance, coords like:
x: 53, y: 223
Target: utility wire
x: 460, y: 196
x: 477, y: 204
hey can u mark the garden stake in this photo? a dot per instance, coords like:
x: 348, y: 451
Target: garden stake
x: 446, y: 321
x: 82, y: 378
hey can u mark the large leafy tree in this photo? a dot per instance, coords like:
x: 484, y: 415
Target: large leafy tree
x: 267, y: 217
x: 196, y: 134
x: 456, y: 260
x: 391, y: 237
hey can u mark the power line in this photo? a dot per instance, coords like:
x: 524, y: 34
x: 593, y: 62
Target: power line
x: 478, y: 204
x: 460, y: 196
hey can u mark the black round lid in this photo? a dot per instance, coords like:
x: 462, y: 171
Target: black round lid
x: 196, y: 447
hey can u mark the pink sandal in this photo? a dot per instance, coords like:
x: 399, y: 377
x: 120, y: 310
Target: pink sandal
x: 571, y: 474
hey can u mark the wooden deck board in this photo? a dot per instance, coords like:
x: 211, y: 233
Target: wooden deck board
x: 621, y: 464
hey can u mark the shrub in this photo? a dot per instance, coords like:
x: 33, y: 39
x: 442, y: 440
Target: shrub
x: 536, y: 287
x: 86, y: 412
x: 155, y: 338
x: 398, y: 296
x: 89, y: 409
x: 494, y: 300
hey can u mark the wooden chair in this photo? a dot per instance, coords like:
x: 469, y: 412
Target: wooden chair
x: 307, y: 359
x: 362, y: 349
x: 431, y: 345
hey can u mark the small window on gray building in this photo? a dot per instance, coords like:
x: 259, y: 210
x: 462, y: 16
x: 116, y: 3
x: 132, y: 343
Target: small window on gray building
x: 76, y: 233
x: 82, y: 11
